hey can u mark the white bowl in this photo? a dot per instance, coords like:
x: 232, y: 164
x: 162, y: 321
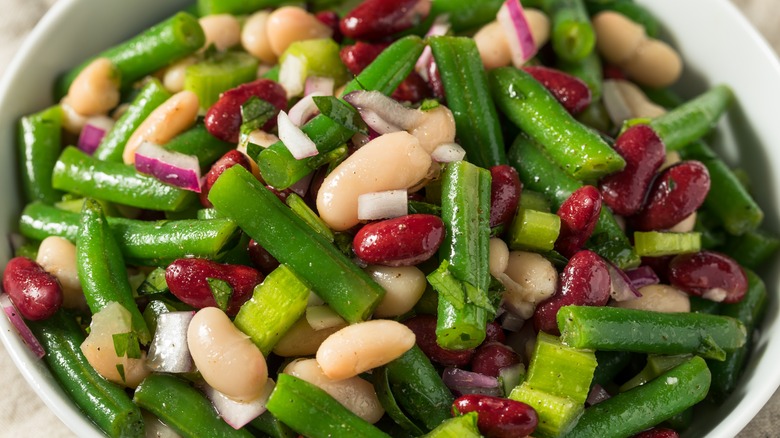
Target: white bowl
x: 717, y: 44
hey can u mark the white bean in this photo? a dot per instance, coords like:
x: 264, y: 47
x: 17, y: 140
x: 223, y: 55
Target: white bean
x: 637, y: 101
x: 493, y: 46
x: 173, y: 79
x: 96, y: 88
x: 72, y: 121
x: 291, y: 23
x: 533, y: 279
x: 686, y: 225
x: 404, y: 285
x: 226, y: 358
x: 658, y: 298
x: 539, y: 24
x: 435, y: 127
x: 617, y: 37
x: 391, y: 162
x: 302, y: 340
x: 655, y: 64
x: 254, y: 37
x: 363, y: 346
x: 221, y: 30
x: 499, y: 256
x: 354, y: 393
x: 174, y: 116
x: 57, y: 256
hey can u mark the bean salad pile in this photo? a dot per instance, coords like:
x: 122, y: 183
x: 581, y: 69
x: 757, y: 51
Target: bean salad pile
x: 440, y: 218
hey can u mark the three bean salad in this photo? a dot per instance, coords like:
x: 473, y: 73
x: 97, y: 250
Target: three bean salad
x: 439, y: 218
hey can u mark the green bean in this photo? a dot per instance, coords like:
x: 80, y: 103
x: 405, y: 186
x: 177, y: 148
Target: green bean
x: 468, y: 96
x: 156, y: 47
x: 39, y: 147
x: 143, y: 243
x: 633, y: 411
x: 152, y: 95
x: 466, y: 14
x: 199, y: 142
x: 462, y: 426
x: 77, y: 172
x: 581, y: 152
x: 753, y: 248
x: 236, y: 7
x: 610, y: 363
x: 634, y: 11
x: 183, y: 408
x: 589, y: 70
x: 271, y: 426
x: 105, y: 403
x: 641, y: 331
x: 571, y: 33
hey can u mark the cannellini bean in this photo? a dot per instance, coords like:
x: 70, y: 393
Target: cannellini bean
x: 539, y: 24
x: 637, y: 101
x: 363, y: 346
x: 291, y: 23
x: 173, y: 79
x: 98, y: 347
x: 532, y: 278
x: 174, y: 116
x: 499, y: 256
x: 226, y: 358
x: 658, y: 298
x: 655, y: 64
x: 57, y: 256
x: 354, y: 393
x: 302, y: 340
x: 436, y: 127
x: 390, y: 162
x: 72, y: 121
x: 96, y: 89
x: 686, y: 225
x: 404, y: 285
x: 617, y: 37
x: 221, y: 30
x: 493, y: 46
x: 254, y: 37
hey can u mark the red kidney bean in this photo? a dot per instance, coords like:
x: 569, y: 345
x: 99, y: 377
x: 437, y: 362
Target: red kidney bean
x: 701, y: 272
x: 331, y: 19
x: 424, y: 328
x: 230, y: 159
x: 223, y: 119
x: 625, y: 191
x: 434, y: 81
x: 505, y: 188
x: 402, y: 241
x: 359, y: 55
x: 676, y: 193
x: 569, y: 90
x: 658, y: 432
x: 186, y: 279
x: 498, y: 417
x: 494, y: 333
x: 579, y: 214
x: 584, y: 281
x: 491, y: 357
x: 261, y: 258
x: 413, y: 89
x: 35, y: 293
x: 379, y: 19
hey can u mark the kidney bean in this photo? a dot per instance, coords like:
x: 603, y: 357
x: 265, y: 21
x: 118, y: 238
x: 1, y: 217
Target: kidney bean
x: 413, y: 89
x: 625, y: 191
x: 186, y: 279
x: 261, y: 258
x: 584, y: 281
x: 35, y: 293
x: 579, y: 214
x: 658, y: 432
x: 378, y: 19
x: 498, y: 417
x: 359, y: 55
x: 491, y: 357
x: 223, y: 119
x: 677, y: 192
x: 494, y: 333
x: 709, y: 274
x: 230, y: 159
x: 331, y: 19
x: 569, y: 90
x: 402, y: 241
x: 434, y: 81
x: 424, y: 328
x: 505, y: 188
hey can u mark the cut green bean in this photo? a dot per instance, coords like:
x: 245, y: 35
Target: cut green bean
x: 657, y: 243
x: 581, y: 152
x: 631, y: 412
x: 152, y: 95
x: 155, y: 48
x: 589, y: 70
x: 642, y: 331
x: 753, y: 248
x: 345, y: 287
x: 271, y: 426
x: 299, y: 207
x: 105, y: 403
x: 468, y: 97
x: 197, y: 141
x: 77, y: 172
x: 610, y: 363
x: 466, y: 14
x: 39, y: 147
x: 236, y: 7
x: 571, y: 33
x: 655, y: 366
x: 632, y: 10
x: 534, y: 230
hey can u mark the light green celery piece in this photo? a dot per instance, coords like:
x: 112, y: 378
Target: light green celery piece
x: 657, y: 243
x: 534, y: 230
x: 463, y: 426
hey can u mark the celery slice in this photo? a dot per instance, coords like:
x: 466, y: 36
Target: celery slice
x: 534, y: 230
x: 656, y: 243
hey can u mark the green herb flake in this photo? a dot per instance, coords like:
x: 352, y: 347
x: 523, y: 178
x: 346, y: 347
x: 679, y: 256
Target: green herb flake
x: 255, y: 113
x: 127, y: 344
x: 342, y: 113
x: 221, y: 291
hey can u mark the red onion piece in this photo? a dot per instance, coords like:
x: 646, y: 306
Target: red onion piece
x: 518, y: 32
x: 169, y: 352
x: 172, y: 168
x: 16, y: 320
x: 301, y: 187
x: 292, y: 75
x: 621, y: 288
x: 299, y: 144
x: 441, y: 26
x: 383, y: 205
x: 383, y: 114
x: 463, y: 382
x: 596, y: 395
x: 448, y: 153
x: 642, y: 276
x: 615, y: 103
x: 319, y: 84
x: 304, y: 109
x: 238, y: 414
x: 93, y: 132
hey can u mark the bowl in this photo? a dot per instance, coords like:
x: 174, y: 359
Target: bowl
x: 720, y: 47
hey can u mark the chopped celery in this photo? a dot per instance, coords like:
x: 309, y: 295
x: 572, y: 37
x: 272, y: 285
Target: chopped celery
x: 462, y: 426
x: 154, y: 283
x: 657, y: 243
x: 211, y: 77
x: 534, y: 230
x: 319, y: 58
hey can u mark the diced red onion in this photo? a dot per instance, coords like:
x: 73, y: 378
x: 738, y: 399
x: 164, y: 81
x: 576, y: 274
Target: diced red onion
x: 383, y: 205
x: 304, y: 109
x: 319, y: 84
x: 463, y: 382
x: 299, y: 144
x: 93, y: 132
x: 301, y: 187
x: 383, y: 114
x: 621, y: 288
x: 616, y: 105
x: 292, y: 75
x: 642, y: 276
x: 448, y: 153
x: 16, y: 320
x: 597, y: 395
x: 238, y: 414
x: 512, y: 19
x: 170, y: 167
x: 441, y: 26
x: 169, y: 351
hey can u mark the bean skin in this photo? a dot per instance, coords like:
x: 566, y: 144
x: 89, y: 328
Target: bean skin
x: 403, y: 241
x: 569, y: 90
x: 424, y: 328
x: 35, y: 293
x: 491, y: 357
x: 676, y: 193
x: 223, y: 119
x: 579, y: 214
x: 230, y: 159
x: 498, y: 417
x: 707, y: 272
x: 378, y: 19
x: 505, y: 188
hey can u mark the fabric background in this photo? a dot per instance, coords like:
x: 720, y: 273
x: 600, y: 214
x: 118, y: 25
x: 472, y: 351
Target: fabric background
x: 22, y: 414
